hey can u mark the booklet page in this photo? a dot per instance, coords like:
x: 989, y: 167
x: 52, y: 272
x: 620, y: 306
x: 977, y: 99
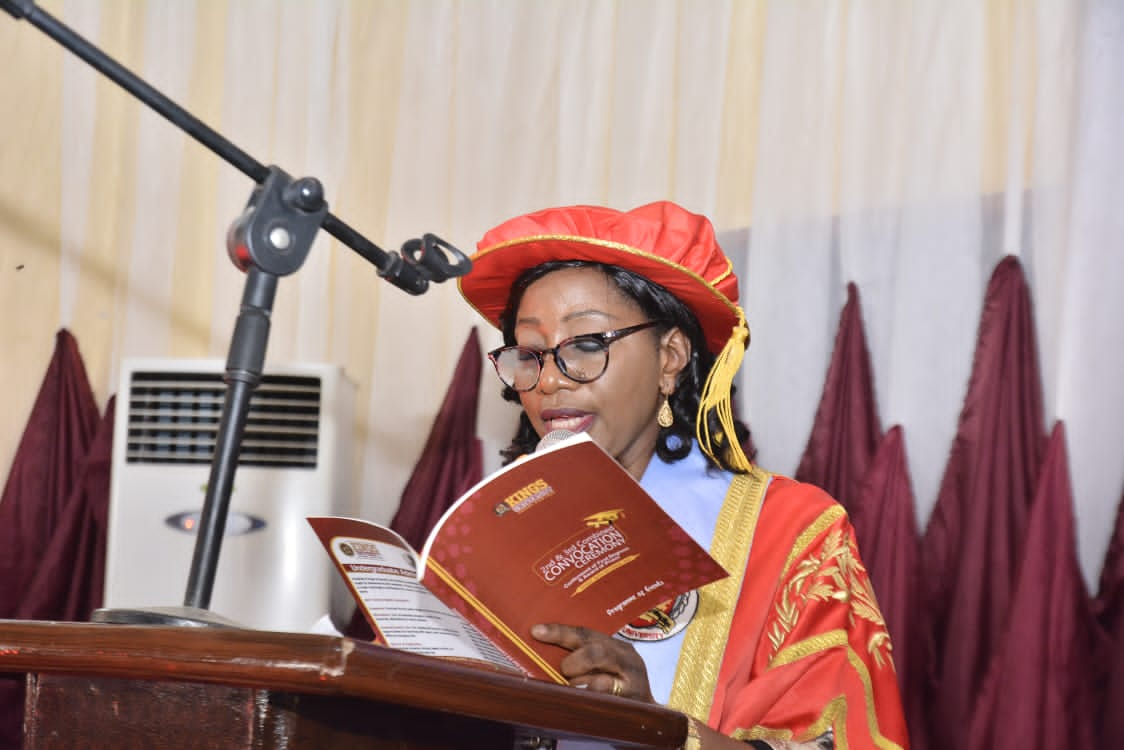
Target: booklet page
x: 405, y: 614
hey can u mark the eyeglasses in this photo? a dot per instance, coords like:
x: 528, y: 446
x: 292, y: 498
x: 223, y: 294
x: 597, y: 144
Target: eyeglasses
x: 582, y: 359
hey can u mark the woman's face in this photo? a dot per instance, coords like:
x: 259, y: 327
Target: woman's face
x: 618, y: 410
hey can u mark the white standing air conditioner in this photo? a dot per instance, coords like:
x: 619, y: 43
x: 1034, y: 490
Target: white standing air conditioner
x: 272, y: 573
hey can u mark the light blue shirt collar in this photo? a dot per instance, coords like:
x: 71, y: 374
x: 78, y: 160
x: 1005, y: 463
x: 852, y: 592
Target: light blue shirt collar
x: 692, y: 493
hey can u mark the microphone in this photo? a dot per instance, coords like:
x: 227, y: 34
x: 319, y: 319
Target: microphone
x: 553, y: 438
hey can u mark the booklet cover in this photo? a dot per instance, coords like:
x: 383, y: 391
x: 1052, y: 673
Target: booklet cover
x: 563, y: 535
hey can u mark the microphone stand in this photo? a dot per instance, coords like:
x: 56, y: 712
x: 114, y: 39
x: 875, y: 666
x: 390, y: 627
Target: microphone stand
x: 272, y: 238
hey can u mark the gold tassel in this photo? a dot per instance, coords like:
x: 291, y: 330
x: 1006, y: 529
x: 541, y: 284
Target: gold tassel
x: 716, y: 397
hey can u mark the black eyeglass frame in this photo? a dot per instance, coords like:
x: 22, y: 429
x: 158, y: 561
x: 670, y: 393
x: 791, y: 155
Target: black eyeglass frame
x: 603, y: 339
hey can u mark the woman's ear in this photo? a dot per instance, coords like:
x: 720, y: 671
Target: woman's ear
x: 675, y: 354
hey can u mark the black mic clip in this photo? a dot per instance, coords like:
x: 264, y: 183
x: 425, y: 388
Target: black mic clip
x: 422, y: 261
x: 431, y: 256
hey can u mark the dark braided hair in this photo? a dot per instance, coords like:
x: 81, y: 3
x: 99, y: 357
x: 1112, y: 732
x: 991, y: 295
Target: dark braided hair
x: 659, y: 304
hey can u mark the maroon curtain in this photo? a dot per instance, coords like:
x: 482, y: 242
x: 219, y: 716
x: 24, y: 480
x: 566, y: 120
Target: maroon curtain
x: 886, y: 530
x: 1039, y: 691
x: 1110, y: 613
x: 846, y: 430
x: 452, y: 460
x: 975, y: 535
x: 37, y: 498
x: 70, y: 579
x: 45, y: 470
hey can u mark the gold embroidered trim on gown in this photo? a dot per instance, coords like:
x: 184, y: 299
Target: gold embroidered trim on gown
x: 704, y: 641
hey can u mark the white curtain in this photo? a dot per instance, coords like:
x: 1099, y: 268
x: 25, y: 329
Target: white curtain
x: 920, y: 146
x: 905, y: 146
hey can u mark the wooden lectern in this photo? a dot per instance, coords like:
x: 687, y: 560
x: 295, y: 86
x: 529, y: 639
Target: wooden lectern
x: 158, y: 687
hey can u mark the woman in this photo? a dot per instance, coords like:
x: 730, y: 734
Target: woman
x: 626, y: 325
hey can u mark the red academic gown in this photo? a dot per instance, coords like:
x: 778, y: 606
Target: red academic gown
x: 795, y: 645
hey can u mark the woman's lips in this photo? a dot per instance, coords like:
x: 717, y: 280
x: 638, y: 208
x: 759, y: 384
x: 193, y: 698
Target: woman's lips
x: 557, y: 419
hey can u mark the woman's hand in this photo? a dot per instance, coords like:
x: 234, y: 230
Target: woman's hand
x: 597, y: 661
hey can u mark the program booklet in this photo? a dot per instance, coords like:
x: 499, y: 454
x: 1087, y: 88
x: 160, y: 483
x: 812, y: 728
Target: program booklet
x: 562, y: 535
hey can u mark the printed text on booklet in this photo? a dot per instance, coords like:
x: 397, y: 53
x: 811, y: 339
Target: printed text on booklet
x: 564, y: 535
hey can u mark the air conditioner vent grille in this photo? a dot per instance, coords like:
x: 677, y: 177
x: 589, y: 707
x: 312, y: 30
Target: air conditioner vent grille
x: 174, y: 419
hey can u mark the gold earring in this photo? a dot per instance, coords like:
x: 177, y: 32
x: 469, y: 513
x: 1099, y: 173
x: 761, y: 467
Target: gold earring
x: 665, y: 417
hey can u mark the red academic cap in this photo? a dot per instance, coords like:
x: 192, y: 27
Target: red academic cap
x: 660, y: 241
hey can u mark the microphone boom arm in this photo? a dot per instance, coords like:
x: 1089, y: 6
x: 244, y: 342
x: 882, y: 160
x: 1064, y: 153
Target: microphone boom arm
x: 400, y: 270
